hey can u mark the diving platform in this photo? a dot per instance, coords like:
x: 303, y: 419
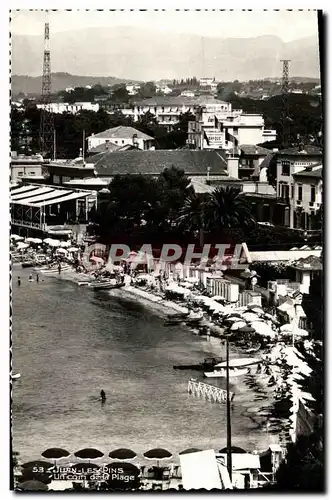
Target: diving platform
x: 208, y: 392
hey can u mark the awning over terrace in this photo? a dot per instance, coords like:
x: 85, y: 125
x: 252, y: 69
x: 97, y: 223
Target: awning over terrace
x: 37, y: 196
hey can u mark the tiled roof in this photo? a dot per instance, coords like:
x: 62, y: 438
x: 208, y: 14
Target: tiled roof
x: 310, y: 173
x: 179, y: 101
x: 251, y: 149
x: 104, y: 147
x: 122, y: 133
x: 312, y: 262
x: 154, y: 162
x: 308, y: 149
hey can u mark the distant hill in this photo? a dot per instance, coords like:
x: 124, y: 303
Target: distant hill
x: 60, y: 81
x: 148, y: 54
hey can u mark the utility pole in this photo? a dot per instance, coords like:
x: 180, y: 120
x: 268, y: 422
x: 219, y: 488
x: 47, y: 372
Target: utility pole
x: 285, y: 119
x: 46, y: 133
x: 228, y: 411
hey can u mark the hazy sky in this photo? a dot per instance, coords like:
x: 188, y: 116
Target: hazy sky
x: 288, y: 25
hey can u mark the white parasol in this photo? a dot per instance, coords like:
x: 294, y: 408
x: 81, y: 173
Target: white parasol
x: 16, y: 237
x: 65, y: 244
x: 237, y: 325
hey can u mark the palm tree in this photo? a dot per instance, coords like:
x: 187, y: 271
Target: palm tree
x: 228, y: 208
x: 192, y: 214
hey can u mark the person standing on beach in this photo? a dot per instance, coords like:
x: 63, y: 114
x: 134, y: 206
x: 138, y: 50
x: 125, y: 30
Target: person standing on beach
x: 59, y: 268
x: 37, y: 278
x: 18, y: 281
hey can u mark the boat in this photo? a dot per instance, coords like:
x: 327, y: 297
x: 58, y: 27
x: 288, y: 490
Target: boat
x: 177, y: 316
x: 106, y: 286
x: 207, y: 364
x: 82, y: 283
x: 16, y: 376
x: 237, y: 368
x: 252, y: 350
x: 28, y: 263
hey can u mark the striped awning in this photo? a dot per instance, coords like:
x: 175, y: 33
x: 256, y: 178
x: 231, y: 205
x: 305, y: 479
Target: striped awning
x: 40, y: 196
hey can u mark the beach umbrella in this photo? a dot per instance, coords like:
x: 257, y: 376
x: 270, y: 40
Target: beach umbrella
x: 55, y: 453
x: 54, y: 243
x: 89, y: 453
x: 247, y: 329
x: 61, y: 251
x: 262, y: 328
x: 189, y: 450
x: 38, y: 241
x: 65, y: 244
x: 84, y: 468
x: 238, y: 324
x: 123, y: 454
x: 30, y: 240
x: 16, y: 237
x: 234, y: 449
x: 232, y: 319
x: 255, y: 309
x: 157, y: 454
x: 22, y: 246
x: 39, y: 464
x: 33, y: 485
x: 119, y: 473
x: 249, y: 316
x: 97, y: 260
x: 73, y: 249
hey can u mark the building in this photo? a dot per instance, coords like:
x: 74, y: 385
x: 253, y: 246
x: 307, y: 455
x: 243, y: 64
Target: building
x: 167, y: 110
x: 121, y: 136
x: 217, y: 126
x: 23, y: 167
x: 187, y: 93
x: 251, y: 160
x: 64, y: 107
x: 201, y: 165
x: 307, y: 190
x: 163, y: 89
x: 293, y: 161
x: 307, y: 269
x: 133, y: 88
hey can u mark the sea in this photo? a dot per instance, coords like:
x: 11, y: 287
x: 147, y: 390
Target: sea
x: 70, y: 342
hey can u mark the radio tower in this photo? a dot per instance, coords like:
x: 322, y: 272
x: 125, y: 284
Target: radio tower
x: 46, y: 134
x: 285, y: 119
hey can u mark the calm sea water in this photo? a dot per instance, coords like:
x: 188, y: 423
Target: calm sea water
x: 70, y: 342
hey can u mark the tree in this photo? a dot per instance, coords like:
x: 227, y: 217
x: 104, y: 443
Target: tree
x: 228, y: 208
x: 192, y: 214
x: 303, y: 469
x: 173, y: 186
x: 147, y: 90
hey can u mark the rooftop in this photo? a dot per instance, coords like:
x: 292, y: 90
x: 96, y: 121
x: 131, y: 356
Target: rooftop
x: 179, y: 101
x: 251, y: 149
x: 308, y: 149
x: 310, y: 172
x: 122, y: 133
x: 154, y: 162
x: 311, y: 263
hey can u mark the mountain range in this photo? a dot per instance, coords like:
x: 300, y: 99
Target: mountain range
x: 141, y: 54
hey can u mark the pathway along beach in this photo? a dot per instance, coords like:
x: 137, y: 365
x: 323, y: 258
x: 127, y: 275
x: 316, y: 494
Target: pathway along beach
x: 70, y: 342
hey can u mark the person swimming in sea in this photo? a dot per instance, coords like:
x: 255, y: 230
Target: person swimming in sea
x: 30, y: 277
x: 102, y: 395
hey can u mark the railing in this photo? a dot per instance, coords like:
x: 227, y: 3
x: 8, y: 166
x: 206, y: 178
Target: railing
x: 207, y: 391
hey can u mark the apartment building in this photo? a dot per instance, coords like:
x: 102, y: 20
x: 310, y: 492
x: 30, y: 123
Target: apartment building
x: 217, y: 126
x: 299, y: 184
x: 121, y: 136
x: 64, y: 107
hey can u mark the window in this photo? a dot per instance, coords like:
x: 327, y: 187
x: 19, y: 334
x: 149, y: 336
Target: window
x: 299, y: 193
x: 19, y: 174
x: 292, y: 192
x: 313, y: 194
x: 235, y: 130
x: 122, y: 142
x: 32, y: 173
x: 285, y: 168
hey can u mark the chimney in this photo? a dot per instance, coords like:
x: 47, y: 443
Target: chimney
x: 233, y: 166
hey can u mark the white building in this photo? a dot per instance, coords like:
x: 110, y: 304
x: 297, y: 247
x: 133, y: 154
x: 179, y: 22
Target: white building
x: 187, y: 93
x: 22, y: 167
x: 121, y: 136
x: 132, y: 88
x: 299, y: 184
x: 64, y: 107
x: 206, y: 82
x: 217, y: 126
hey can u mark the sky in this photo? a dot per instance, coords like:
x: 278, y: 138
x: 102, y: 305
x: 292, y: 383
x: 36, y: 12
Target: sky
x: 287, y: 25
